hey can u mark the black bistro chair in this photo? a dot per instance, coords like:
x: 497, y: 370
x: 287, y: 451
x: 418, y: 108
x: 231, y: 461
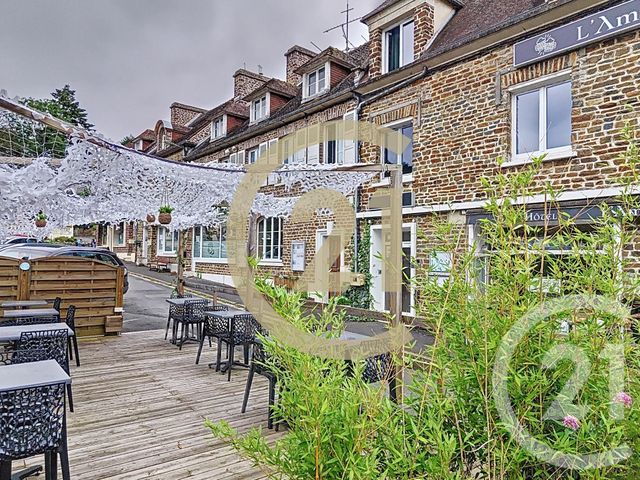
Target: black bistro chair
x: 33, y: 423
x: 45, y: 345
x: 213, y: 327
x: 260, y: 365
x: 57, y: 302
x: 73, y: 341
x: 380, y: 368
x: 243, y: 333
x: 192, y: 319
x: 176, y: 312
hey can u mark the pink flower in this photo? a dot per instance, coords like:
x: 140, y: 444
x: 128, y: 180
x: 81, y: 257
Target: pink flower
x: 624, y: 398
x: 571, y: 422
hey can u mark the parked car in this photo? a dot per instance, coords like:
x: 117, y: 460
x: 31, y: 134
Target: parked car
x: 19, y: 239
x: 40, y: 250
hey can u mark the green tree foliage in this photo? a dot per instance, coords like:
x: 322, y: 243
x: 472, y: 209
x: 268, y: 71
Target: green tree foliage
x: 126, y: 140
x: 20, y: 137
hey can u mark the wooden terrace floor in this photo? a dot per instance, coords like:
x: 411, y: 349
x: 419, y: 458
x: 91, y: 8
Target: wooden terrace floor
x: 140, y: 406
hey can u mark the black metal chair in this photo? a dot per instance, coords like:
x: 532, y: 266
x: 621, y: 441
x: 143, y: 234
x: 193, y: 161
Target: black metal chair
x: 176, y: 312
x: 192, y: 319
x: 33, y: 423
x: 73, y: 340
x: 380, y: 368
x: 243, y: 333
x: 213, y: 327
x: 57, y: 302
x: 45, y: 345
x: 260, y: 365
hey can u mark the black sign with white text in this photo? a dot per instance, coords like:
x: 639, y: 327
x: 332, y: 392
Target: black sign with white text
x: 595, y: 27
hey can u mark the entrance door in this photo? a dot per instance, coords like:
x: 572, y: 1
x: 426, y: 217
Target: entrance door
x: 376, y: 264
x: 145, y: 246
x: 322, y: 237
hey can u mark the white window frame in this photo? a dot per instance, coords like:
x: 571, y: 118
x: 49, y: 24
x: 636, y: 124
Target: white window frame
x: 265, y: 114
x: 161, y: 242
x: 541, y: 85
x: 237, y: 158
x: 223, y: 127
x: 261, y: 255
x: 385, y: 53
x: 406, y: 178
x: 197, y: 256
x: 412, y: 244
x: 124, y: 235
x: 253, y: 155
x: 318, y: 92
x: 138, y: 145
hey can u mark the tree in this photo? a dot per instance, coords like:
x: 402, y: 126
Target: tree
x: 127, y: 140
x: 22, y: 138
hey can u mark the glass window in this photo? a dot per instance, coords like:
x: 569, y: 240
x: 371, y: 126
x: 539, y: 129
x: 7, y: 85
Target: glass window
x: 167, y: 241
x: 270, y: 238
x: 315, y: 82
x: 252, y: 156
x: 210, y: 242
x: 259, y: 109
x: 120, y: 233
x: 390, y: 157
x: 542, y: 120
x: 407, y: 273
x: 399, y: 46
x: 217, y: 129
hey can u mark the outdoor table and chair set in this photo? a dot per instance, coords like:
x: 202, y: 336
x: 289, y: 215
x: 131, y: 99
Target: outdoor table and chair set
x: 35, y: 385
x: 200, y: 321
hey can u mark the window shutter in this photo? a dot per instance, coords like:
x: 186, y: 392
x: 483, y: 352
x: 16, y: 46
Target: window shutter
x: 232, y: 158
x: 240, y: 157
x: 350, y: 131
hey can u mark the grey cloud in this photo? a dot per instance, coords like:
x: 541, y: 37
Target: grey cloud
x: 129, y: 59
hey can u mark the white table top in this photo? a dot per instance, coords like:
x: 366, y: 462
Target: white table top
x: 33, y: 312
x: 226, y: 313
x: 11, y: 334
x: 32, y: 374
x: 182, y: 301
x: 23, y: 303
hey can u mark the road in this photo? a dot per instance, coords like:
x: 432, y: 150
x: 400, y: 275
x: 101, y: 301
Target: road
x: 145, y: 306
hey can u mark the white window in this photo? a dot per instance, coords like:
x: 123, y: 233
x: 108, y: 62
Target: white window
x: 398, y: 46
x: 120, y: 234
x: 333, y: 145
x: 270, y: 239
x: 167, y: 241
x: 210, y: 243
x: 218, y: 128
x: 237, y: 158
x: 252, y: 156
x: 316, y: 82
x: 541, y: 119
x: 138, y: 145
x: 395, y: 154
x: 259, y: 108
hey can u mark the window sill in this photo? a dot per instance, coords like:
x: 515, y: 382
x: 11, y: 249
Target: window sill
x: 558, y: 154
x: 386, y: 181
x: 315, y: 95
x: 223, y: 261
x: 270, y: 263
x: 166, y: 254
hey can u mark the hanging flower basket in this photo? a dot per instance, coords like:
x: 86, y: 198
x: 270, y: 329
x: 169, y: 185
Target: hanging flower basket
x: 41, y: 220
x: 165, y: 215
x: 151, y: 218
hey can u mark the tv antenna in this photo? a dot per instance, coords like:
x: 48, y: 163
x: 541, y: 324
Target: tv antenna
x: 345, y: 27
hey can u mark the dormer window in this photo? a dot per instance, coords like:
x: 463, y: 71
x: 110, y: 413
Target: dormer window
x: 218, y: 128
x: 259, y: 109
x: 398, y: 46
x: 138, y: 145
x: 315, y: 82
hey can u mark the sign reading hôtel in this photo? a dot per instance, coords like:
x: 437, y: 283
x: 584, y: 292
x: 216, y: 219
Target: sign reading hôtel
x: 593, y: 28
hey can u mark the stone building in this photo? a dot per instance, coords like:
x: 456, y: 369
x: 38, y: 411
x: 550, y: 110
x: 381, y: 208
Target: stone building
x: 479, y: 87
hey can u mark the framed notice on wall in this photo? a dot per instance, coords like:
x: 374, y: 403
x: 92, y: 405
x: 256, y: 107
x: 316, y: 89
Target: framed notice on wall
x: 297, y: 256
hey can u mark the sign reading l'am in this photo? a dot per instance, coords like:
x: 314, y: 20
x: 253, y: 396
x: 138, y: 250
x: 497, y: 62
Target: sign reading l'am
x: 593, y: 28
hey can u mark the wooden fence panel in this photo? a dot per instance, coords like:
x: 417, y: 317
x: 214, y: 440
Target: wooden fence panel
x: 95, y: 288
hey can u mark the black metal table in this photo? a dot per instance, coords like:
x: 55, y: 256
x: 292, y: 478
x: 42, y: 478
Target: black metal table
x: 230, y: 316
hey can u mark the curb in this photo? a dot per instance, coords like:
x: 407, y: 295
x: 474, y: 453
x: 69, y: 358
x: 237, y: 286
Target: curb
x: 188, y: 289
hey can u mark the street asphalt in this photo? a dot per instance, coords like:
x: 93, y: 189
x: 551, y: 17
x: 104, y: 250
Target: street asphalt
x: 145, y: 306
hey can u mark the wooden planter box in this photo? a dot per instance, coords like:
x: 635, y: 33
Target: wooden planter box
x: 113, y: 324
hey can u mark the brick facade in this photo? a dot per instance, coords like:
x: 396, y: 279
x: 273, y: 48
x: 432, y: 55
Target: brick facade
x: 245, y: 82
x: 296, y: 57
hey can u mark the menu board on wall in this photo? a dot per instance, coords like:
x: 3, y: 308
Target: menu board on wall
x: 297, y: 256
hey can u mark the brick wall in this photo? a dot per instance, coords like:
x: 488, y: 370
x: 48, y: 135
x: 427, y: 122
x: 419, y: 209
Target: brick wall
x: 337, y: 73
x: 180, y: 115
x: 423, y: 28
x: 245, y: 82
x: 296, y: 57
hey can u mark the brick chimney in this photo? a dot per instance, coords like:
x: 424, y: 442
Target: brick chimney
x: 182, y: 114
x: 296, y: 57
x: 245, y: 82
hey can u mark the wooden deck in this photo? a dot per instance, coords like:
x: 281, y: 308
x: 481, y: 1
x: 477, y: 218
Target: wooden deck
x: 140, y: 406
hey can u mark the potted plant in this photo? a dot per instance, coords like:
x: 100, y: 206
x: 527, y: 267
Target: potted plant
x: 151, y: 218
x: 165, y: 215
x: 41, y: 219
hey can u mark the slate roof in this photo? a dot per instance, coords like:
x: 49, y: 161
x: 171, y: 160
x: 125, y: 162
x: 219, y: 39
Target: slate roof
x: 478, y: 18
x: 274, y: 85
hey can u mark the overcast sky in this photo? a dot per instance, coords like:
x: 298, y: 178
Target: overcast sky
x: 128, y: 60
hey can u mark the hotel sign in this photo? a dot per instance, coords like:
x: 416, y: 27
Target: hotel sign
x: 593, y: 28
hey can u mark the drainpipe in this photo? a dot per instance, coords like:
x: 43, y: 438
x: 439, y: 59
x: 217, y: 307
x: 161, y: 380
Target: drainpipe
x: 360, y: 104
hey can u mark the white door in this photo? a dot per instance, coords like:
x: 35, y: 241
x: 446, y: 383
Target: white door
x: 375, y: 268
x: 145, y: 246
